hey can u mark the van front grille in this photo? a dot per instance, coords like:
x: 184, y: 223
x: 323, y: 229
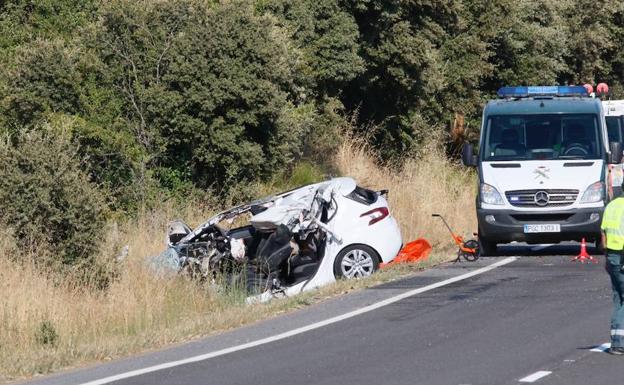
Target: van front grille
x: 545, y: 198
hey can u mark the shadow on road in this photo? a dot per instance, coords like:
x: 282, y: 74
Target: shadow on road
x: 570, y: 249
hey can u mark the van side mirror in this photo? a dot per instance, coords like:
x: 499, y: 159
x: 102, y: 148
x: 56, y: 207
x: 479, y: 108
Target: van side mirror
x: 468, y: 158
x: 616, y: 152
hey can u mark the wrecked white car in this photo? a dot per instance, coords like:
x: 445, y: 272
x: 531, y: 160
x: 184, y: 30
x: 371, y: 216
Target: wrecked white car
x: 291, y: 242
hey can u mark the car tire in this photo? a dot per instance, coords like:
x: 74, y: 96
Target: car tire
x: 486, y: 247
x: 356, y: 261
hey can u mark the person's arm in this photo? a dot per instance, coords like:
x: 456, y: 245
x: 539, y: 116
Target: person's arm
x: 604, y: 246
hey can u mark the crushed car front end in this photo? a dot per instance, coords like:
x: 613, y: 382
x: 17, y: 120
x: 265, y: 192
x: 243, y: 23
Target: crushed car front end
x: 292, y: 241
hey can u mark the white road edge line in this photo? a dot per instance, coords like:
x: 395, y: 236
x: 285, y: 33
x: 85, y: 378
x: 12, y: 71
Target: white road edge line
x: 602, y: 348
x: 535, y: 376
x: 302, y: 329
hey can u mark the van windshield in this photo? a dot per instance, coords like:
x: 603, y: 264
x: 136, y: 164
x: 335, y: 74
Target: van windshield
x: 544, y: 136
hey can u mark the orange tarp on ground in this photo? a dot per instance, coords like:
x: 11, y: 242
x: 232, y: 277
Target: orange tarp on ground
x: 412, y: 252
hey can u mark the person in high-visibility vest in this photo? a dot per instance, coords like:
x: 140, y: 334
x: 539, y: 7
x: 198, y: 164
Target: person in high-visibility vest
x: 613, y: 240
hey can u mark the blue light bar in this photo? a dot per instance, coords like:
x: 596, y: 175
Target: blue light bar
x: 525, y: 92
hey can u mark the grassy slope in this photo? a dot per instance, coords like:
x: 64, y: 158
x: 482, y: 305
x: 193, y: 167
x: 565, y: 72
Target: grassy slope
x: 47, y: 325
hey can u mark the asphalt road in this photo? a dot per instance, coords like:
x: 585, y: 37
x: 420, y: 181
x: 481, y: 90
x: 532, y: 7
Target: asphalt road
x: 535, y: 319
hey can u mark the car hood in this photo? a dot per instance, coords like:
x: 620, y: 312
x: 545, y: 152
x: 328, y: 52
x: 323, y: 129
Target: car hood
x: 297, y: 199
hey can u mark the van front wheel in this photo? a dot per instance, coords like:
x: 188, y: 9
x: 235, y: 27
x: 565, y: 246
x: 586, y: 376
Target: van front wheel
x: 486, y: 247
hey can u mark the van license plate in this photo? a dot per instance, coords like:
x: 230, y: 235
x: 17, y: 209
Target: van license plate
x: 549, y: 228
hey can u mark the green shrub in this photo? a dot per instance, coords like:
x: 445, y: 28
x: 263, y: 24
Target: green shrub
x: 46, y: 334
x: 47, y: 199
x: 305, y: 173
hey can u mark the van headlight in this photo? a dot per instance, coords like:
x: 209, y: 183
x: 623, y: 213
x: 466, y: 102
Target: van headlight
x: 490, y: 195
x: 594, y: 193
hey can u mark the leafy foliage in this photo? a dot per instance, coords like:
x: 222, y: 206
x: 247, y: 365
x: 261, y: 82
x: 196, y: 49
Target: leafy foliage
x: 171, y: 97
x: 47, y: 199
x: 327, y: 38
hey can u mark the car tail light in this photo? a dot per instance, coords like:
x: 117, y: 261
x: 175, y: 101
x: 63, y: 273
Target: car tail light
x: 376, y: 215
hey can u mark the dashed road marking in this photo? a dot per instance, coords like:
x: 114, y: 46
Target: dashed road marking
x: 535, y: 376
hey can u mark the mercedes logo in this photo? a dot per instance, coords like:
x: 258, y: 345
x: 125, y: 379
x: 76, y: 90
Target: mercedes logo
x: 541, y: 198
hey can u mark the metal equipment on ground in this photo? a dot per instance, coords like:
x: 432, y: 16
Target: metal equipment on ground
x: 468, y: 249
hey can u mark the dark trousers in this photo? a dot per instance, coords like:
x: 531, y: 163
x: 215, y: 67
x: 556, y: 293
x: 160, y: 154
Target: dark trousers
x: 614, y: 268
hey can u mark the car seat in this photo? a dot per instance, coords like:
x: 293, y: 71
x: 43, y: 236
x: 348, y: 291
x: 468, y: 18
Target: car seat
x: 274, y: 250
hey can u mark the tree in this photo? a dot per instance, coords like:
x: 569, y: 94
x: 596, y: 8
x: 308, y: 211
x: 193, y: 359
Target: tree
x: 590, y: 26
x: 227, y: 86
x: 400, y: 43
x: 204, y: 87
x: 327, y: 37
x: 46, y: 78
x: 47, y: 199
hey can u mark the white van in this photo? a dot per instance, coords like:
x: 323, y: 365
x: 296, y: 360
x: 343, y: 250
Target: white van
x: 543, y: 166
x: 614, y: 116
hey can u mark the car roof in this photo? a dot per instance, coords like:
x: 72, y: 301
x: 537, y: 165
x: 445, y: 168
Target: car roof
x: 543, y: 105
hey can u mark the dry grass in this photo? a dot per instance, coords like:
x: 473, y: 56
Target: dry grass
x: 47, y: 323
x: 418, y: 188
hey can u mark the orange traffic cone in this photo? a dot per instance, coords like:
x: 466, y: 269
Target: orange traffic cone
x: 584, y: 256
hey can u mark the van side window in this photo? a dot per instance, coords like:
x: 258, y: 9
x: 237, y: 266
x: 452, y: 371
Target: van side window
x: 614, y: 128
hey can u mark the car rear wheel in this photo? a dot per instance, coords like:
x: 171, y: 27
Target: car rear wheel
x: 356, y: 261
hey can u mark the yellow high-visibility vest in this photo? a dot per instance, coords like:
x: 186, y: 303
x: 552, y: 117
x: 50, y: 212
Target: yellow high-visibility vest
x: 613, y: 224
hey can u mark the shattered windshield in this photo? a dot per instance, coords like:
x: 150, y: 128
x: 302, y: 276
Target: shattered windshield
x: 552, y: 136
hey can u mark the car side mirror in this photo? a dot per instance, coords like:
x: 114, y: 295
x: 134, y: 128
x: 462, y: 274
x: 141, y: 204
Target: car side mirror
x: 468, y: 158
x: 616, y: 152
